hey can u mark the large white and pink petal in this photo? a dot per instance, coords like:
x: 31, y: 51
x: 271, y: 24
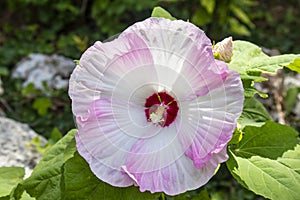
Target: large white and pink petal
x: 106, y: 138
x: 209, y: 121
x: 178, y: 177
x: 156, y: 151
x: 182, y: 56
x: 103, y: 65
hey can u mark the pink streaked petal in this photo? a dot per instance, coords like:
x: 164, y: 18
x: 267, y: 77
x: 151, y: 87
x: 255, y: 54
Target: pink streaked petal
x: 136, y: 85
x: 106, y: 137
x: 102, y: 66
x: 101, y: 152
x: 172, y: 36
x: 183, y: 68
x: 203, y: 71
x: 222, y: 68
x: 178, y: 177
x: 209, y: 145
x: 209, y: 121
x: 106, y: 173
x: 155, y: 152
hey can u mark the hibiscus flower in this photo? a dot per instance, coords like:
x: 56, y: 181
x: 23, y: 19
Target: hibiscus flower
x: 154, y: 108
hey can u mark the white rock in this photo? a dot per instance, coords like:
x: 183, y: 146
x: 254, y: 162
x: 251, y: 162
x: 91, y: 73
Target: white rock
x: 38, y: 68
x: 291, y: 81
x: 297, y: 107
x: 14, y: 151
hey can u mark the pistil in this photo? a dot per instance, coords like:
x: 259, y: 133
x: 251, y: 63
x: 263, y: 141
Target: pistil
x: 158, y: 116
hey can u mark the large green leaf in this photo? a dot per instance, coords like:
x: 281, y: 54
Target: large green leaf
x: 267, y: 161
x: 10, y: 177
x: 81, y: 183
x: 269, y: 178
x: 250, y: 62
x: 45, y: 181
x: 254, y: 113
x: 248, y: 59
x: 269, y: 141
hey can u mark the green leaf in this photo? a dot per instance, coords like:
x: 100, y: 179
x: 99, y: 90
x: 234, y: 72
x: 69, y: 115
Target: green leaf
x: 209, y: 5
x: 241, y: 15
x: 160, y: 12
x: 201, y: 17
x: 203, y: 195
x: 248, y: 58
x: 250, y: 62
x: 291, y: 159
x: 42, y: 105
x: 36, y: 145
x: 26, y: 196
x: 56, y: 135
x: 254, y: 113
x: 4, y: 71
x: 45, y: 180
x: 291, y: 99
x: 232, y: 164
x: 295, y: 66
x: 269, y: 178
x: 267, y: 160
x: 237, y: 136
x: 76, y: 62
x: 10, y: 177
x: 19, y: 193
x: 270, y: 141
x: 81, y: 183
x: 251, y: 91
x: 238, y: 28
x: 70, y: 149
x: 30, y: 90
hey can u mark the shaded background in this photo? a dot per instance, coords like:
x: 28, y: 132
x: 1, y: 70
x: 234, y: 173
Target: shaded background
x: 68, y: 27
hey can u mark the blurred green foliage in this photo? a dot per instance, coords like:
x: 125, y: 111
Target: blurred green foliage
x: 68, y: 27
x: 43, y: 112
x: 230, y: 16
x: 277, y: 25
x: 114, y: 16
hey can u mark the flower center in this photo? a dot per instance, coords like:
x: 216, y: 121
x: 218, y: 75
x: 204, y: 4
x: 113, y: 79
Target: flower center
x: 161, y: 109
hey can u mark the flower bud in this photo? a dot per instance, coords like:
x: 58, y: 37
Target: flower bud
x: 223, y: 50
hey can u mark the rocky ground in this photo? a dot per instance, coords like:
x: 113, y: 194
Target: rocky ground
x: 16, y: 138
x: 15, y: 142
x: 283, y: 106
